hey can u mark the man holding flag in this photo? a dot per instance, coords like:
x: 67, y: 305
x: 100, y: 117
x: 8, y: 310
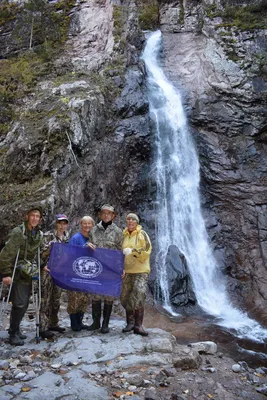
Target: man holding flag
x: 105, y: 234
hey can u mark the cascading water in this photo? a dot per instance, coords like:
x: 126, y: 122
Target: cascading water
x: 179, y: 219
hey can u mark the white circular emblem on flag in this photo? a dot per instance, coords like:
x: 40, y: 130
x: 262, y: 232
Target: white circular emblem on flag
x: 87, y: 267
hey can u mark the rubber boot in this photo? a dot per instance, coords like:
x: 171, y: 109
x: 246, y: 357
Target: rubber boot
x: 96, y: 315
x: 130, y: 322
x: 80, y: 316
x: 75, y: 322
x: 15, y: 340
x: 15, y: 336
x: 106, y: 315
x: 138, y: 328
x: 21, y: 335
x: 46, y: 334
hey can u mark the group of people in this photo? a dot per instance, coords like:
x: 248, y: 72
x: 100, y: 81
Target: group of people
x: 27, y: 245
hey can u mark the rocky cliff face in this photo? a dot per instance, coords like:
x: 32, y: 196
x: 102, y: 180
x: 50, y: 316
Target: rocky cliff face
x: 220, y: 68
x: 80, y: 135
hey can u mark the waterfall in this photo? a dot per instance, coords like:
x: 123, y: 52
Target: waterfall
x: 178, y: 217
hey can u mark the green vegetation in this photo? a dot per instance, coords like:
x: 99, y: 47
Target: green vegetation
x: 118, y: 23
x: 247, y: 17
x: 250, y: 17
x: 42, y: 28
x: 148, y: 14
x: 8, y: 12
x: 24, y: 191
x: 211, y: 11
x: 182, y: 12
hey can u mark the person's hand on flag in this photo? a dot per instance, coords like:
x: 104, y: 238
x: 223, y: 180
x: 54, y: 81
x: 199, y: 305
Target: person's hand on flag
x: 127, y: 251
x: 46, y: 269
x: 91, y: 245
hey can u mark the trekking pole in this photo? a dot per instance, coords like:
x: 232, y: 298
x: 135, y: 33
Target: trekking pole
x: 37, y: 298
x: 4, y: 302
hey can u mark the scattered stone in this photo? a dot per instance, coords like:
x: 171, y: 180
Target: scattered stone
x: 55, y: 366
x: 20, y: 375
x: 169, y: 371
x: 186, y: 358
x: 236, y: 368
x: 204, y: 347
x: 26, y: 360
x: 151, y: 394
x: 132, y: 388
x: 4, y: 364
x: 262, y: 389
x: 244, y: 365
x: 260, y: 371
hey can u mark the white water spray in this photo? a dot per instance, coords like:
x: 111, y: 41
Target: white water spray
x: 179, y: 219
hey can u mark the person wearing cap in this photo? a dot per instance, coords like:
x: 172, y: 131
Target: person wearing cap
x: 23, y: 242
x: 78, y: 302
x: 108, y: 235
x: 137, y: 248
x: 51, y: 293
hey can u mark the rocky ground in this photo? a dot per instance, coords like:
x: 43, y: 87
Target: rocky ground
x: 86, y: 365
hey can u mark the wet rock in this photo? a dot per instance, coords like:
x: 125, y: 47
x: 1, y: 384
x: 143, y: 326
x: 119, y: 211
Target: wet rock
x: 179, y: 280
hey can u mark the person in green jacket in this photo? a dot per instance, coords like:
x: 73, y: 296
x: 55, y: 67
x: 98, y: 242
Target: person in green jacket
x: 25, y: 239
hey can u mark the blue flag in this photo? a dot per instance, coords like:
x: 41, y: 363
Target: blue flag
x: 82, y: 269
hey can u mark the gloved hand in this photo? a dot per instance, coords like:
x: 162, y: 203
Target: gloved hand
x: 127, y: 251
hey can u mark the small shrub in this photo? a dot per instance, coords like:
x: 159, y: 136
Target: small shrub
x: 149, y: 17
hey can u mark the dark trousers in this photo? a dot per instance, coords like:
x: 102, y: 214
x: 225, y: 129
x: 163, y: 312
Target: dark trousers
x: 20, y: 296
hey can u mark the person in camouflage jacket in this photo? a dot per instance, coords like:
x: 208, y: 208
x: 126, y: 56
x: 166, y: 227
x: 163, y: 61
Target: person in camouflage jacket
x: 105, y: 234
x: 51, y: 293
x: 25, y: 239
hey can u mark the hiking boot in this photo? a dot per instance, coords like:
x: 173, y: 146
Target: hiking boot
x: 106, y: 315
x: 57, y: 329
x: 46, y: 335
x: 15, y: 340
x: 96, y: 315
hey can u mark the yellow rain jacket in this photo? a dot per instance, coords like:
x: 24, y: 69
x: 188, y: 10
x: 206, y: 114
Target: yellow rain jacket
x: 139, y: 242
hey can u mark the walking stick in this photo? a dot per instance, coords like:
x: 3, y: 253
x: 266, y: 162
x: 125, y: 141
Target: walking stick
x: 37, y: 297
x: 4, y: 302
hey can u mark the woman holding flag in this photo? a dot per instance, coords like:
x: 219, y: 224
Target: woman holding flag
x: 78, y: 302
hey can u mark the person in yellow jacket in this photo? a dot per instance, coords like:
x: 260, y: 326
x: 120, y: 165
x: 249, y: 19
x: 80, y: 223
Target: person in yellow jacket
x: 137, y: 248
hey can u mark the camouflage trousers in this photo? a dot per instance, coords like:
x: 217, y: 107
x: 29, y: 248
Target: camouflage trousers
x: 133, y: 293
x: 106, y: 299
x: 50, y: 302
x: 78, y: 302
